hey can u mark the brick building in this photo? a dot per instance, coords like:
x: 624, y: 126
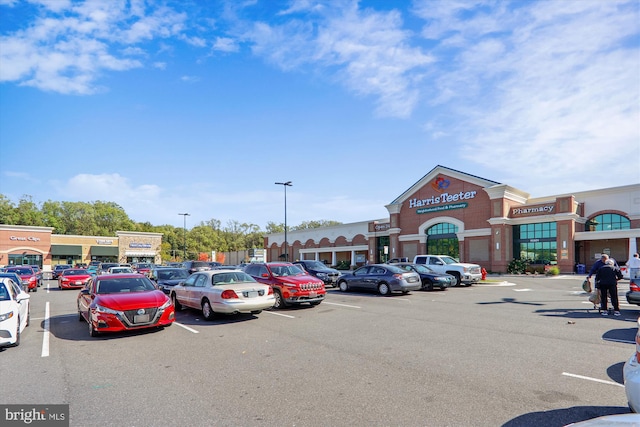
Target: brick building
x: 481, y: 221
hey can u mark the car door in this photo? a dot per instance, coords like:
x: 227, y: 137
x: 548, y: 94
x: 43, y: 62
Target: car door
x: 360, y: 277
x: 198, y: 290
x: 374, y: 277
x: 185, y: 295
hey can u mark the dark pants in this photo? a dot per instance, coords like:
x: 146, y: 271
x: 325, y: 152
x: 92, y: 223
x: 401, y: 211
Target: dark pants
x: 612, y: 290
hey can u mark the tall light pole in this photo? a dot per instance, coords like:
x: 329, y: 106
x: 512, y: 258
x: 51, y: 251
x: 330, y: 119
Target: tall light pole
x: 286, y: 248
x: 185, y: 215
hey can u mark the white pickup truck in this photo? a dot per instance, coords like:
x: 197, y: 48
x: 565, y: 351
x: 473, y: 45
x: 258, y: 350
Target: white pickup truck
x: 463, y: 272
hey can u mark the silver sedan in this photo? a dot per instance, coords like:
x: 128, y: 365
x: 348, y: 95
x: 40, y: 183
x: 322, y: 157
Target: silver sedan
x: 222, y: 291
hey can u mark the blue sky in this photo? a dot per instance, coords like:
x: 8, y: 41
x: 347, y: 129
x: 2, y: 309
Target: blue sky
x: 166, y: 107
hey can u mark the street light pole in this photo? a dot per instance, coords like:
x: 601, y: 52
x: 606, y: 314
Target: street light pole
x: 185, y: 215
x: 286, y: 249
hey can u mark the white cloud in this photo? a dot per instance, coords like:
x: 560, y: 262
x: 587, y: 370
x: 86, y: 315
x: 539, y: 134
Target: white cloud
x: 69, y: 45
x: 549, y: 94
x: 225, y: 44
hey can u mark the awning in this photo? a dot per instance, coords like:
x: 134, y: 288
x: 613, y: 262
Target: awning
x: 104, y: 250
x: 140, y: 253
x: 69, y: 250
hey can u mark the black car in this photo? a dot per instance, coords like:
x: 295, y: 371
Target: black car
x: 193, y: 266
x: 58, y: 269
x: 167, y: 277
x: 316, y: 268
x: 430, y: 279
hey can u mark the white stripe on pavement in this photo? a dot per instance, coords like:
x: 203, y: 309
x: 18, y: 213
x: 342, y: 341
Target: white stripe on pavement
x: 187, y: 328
x: 279, y: 314
x: 45, y: 337
x: 341, y: 305
x: 592, y: 379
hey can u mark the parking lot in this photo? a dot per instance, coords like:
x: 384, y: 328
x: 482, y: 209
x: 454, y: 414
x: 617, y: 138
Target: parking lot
x: 524, y: 351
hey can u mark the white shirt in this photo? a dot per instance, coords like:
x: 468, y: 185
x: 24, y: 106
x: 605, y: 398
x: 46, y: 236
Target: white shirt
x: 633, y: 262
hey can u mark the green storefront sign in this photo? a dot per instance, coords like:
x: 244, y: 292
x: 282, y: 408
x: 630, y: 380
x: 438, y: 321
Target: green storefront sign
x: 442, y: 208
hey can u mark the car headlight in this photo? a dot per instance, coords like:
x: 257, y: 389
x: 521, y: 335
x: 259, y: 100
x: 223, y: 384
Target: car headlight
x: 322, y: 275
x: 166, y: 304
x: 6, y: 316
x: 101, y: 309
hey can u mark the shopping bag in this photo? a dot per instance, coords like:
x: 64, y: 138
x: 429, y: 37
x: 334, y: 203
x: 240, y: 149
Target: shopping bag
x: 595, y: 298
x: 586, y: 286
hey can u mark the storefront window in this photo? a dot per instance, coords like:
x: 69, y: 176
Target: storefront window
x: 442, y: 239
x: 608, y: 222
x: 536, y: 242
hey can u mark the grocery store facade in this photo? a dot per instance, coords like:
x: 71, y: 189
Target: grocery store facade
x: 26, y: 245
x: 481, y: 221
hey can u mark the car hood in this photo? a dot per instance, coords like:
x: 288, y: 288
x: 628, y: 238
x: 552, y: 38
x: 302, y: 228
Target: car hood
x: 171, y: 282
x: 77, y: 277
x: 131, y: 300
x: 296, y: 280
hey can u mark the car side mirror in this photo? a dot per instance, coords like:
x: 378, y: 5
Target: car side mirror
x: 84, y: 292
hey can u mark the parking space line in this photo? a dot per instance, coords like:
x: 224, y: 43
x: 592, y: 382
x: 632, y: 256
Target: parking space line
x: 341, y: 305
x: 279, y: 314
x: 592, y: 379
x: 45, y: 337
x: 186, y: 327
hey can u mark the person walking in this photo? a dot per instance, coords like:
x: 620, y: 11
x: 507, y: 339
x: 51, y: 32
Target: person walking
x: 607, y: 278
x: 634, y: 266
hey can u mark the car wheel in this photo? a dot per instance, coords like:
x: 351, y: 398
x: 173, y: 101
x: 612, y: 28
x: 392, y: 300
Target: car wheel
x: 458, y: 278
x: 383, y: 289
x: 92, y: 330
x: 427, y: 285
x: 17, y: 343
x: 207, y: 311
x: 28, y: 317
x: 176, y: 303
x: 343, y: 286
x: 256, y: 312
x: 35, y: 289
x: 279, y: 300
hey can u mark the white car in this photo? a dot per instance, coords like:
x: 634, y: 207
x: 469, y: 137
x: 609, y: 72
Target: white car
x: 14, y: 312
x: 120, y: 270
x: 222, y: 291
x: 631, y: 375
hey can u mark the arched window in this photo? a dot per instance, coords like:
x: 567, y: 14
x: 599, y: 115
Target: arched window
x: 608, y: 222
x: 443, y: 240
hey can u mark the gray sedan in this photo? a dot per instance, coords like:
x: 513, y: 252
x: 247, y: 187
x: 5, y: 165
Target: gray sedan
x: 382, y: 278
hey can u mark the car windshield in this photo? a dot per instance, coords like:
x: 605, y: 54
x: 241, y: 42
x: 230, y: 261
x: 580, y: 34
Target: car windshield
x: 286, y: 270
x: 315, y: 264
x: 22, y: 271
x: 172, y: 274
x: 73, y: 272
x: 421, y: 268
x: 231, y: 277
x: 448, y: 260
x: 61, y: 267
x: 4, y: 293
x: 129, y: 284
x: 144, y: 266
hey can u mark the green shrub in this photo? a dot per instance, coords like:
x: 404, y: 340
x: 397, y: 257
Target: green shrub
x: 553, y: 271
x: 517, y: 266
x: 343, y: 265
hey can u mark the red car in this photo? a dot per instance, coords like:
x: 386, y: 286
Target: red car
x: 27, y: 275
x: 73, y: 278
x: 291, y: 284
x: 123, y: 302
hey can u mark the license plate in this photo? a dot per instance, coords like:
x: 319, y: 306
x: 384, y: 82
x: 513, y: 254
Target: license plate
x: 313, y: 294
x: 253, y: 294
x: 78, y: 282
x: 141, y: 318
